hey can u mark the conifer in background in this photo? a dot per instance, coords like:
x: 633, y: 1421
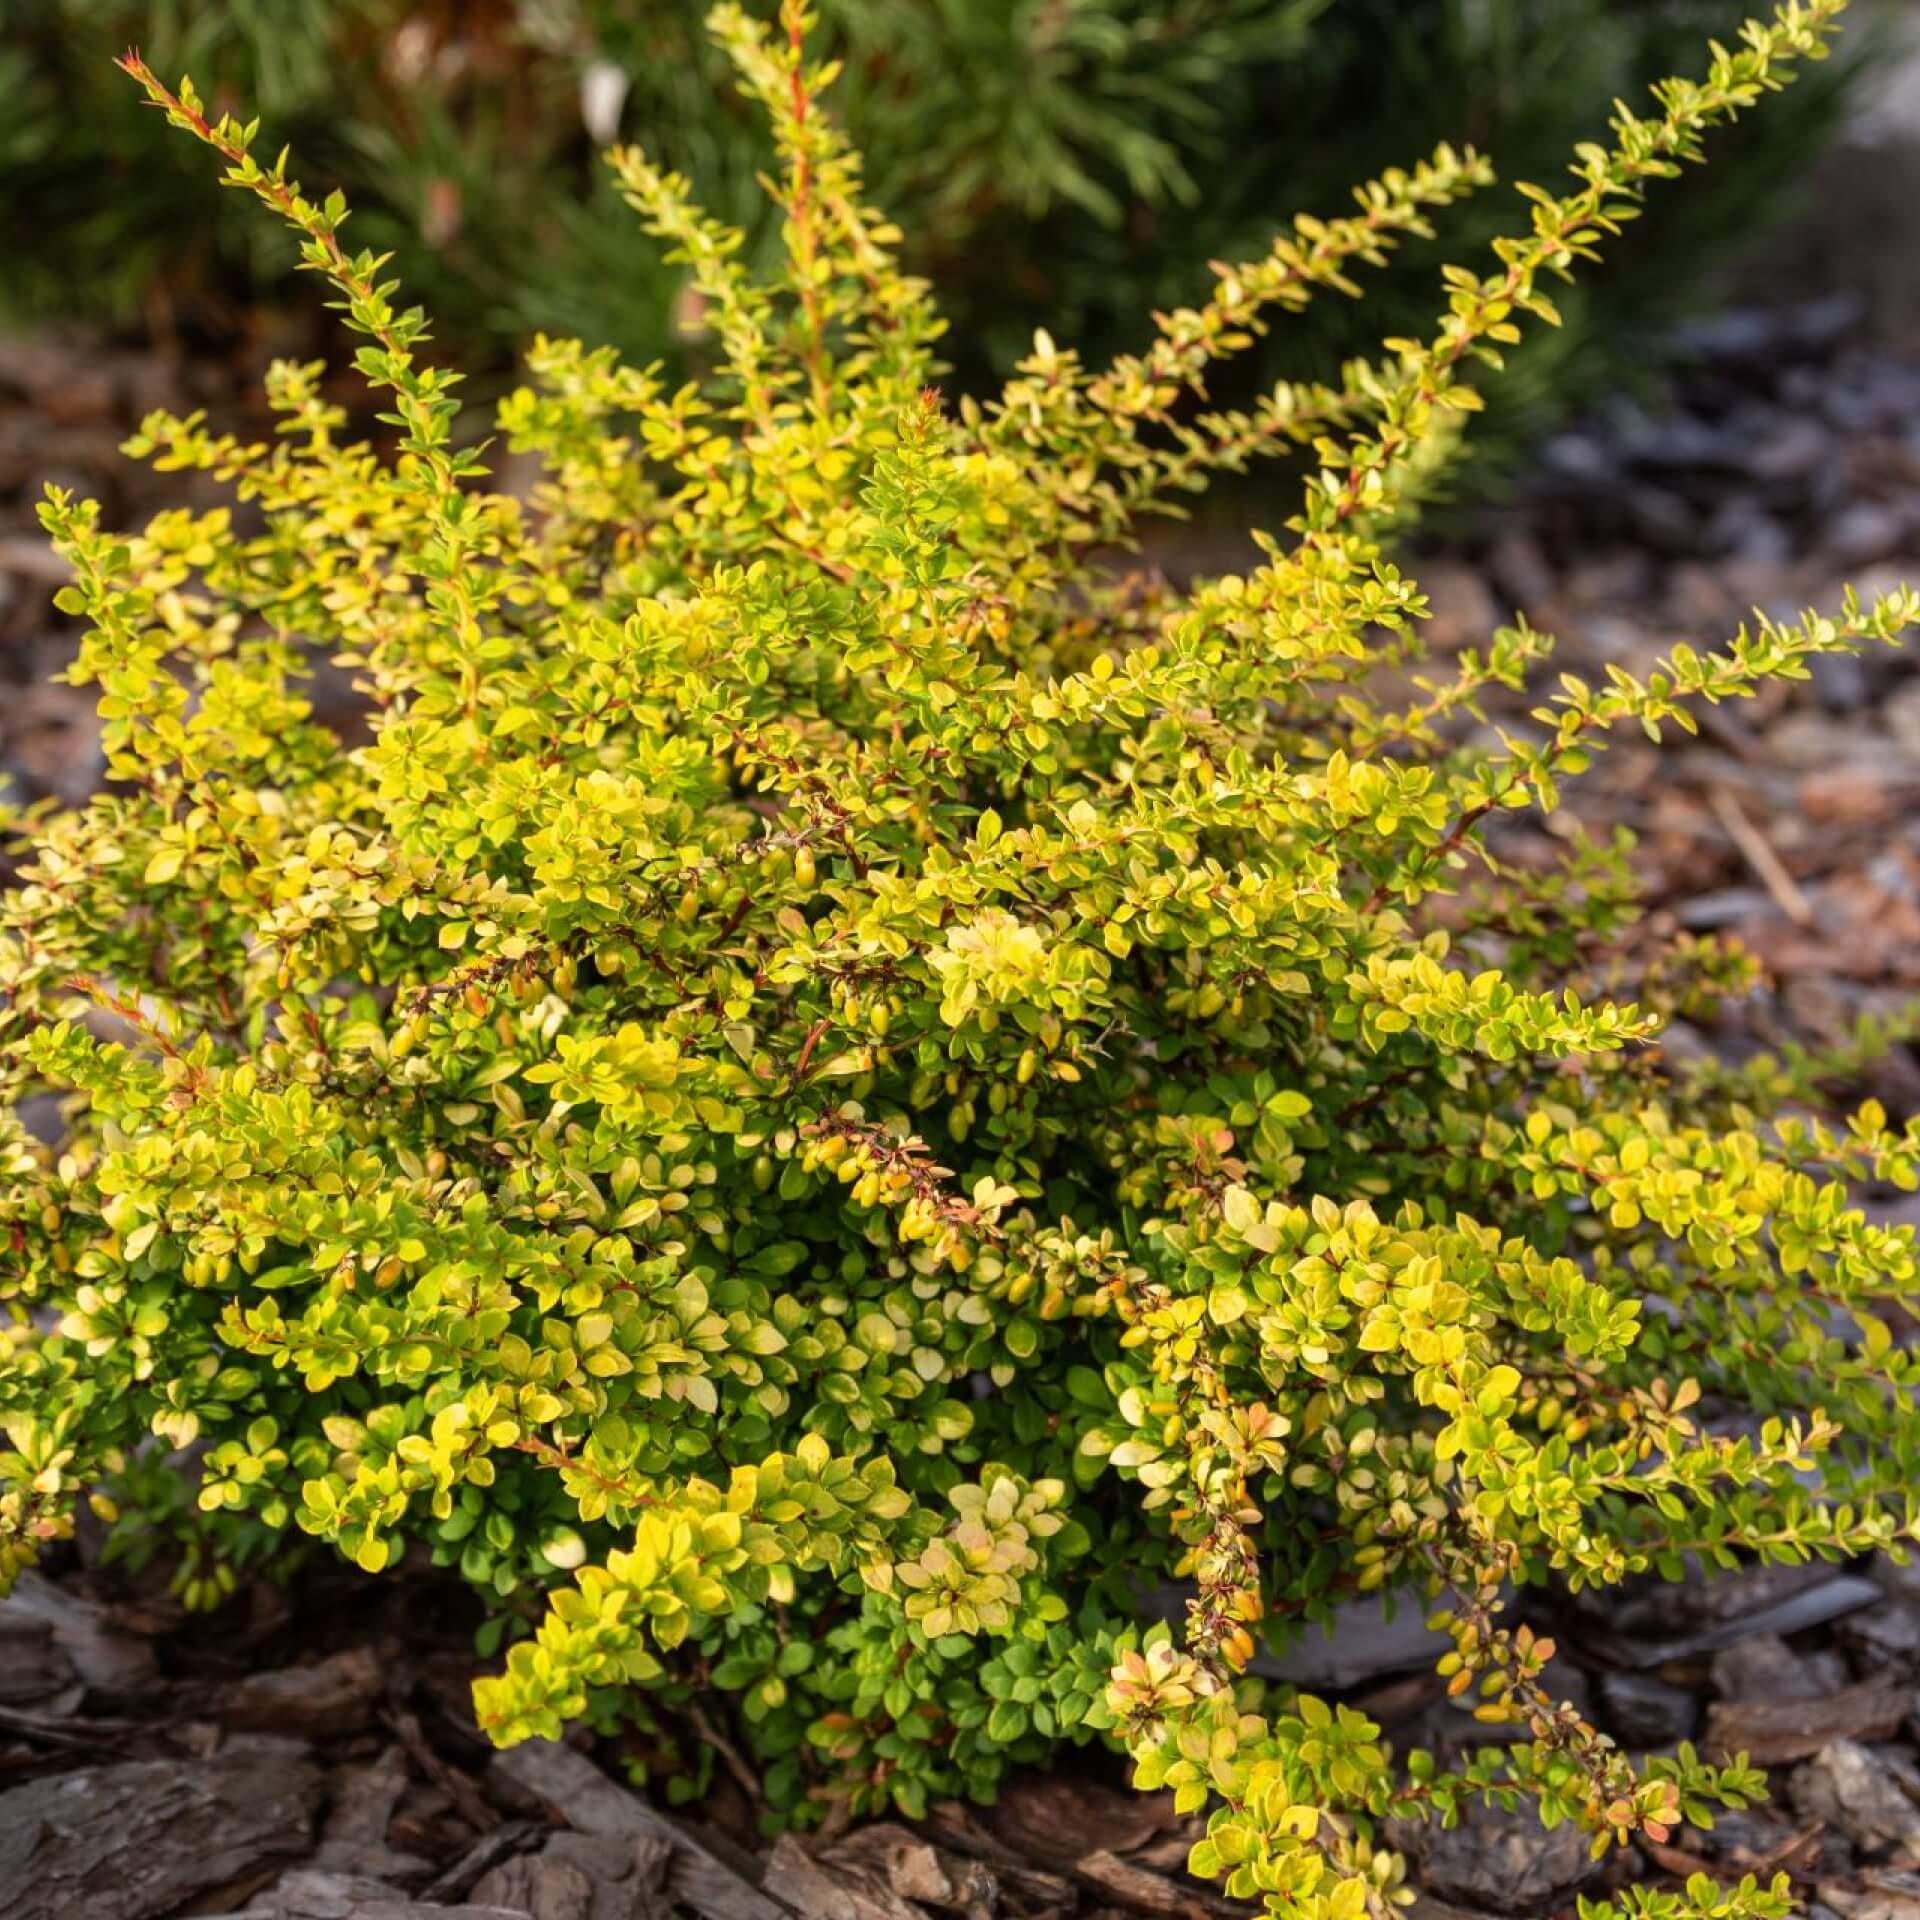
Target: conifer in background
x: 1073, y: 164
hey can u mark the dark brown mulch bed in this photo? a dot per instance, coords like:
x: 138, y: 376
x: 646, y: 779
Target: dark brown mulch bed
x: 1782, y: 464
x: 311, y: 1755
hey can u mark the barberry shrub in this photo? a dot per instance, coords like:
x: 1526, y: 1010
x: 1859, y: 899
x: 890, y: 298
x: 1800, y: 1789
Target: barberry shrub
x: 841, y: 1085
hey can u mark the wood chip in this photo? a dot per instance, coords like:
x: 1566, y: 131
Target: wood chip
x: 1757, y: 851
x: 343, y: 1896
x: 1870, y: 1905
x: 1861, y: 1791
x: 1057, y: 1819
x: 116, y: 1666
x: 1675, y: 1860
x: 578, y: 1795
x: 335, y: 1695
x: 1772, y: 1732
x: 453, y: 1882
x: 842, y: 1891
x: 1674, y: 1622
x: 1880, y: 1896
x: 1149, y: 1892
x: 471, y: 1803
x: 584, y: 1876
x: 149, y: 1837
x: 354, y: 1839
x: 33, y: 1668
x: 917, y: 1870
x: 956, y: 1825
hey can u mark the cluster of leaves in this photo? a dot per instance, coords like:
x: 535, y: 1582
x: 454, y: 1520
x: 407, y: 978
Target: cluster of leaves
x: 1074, y: 166
x: 838, y: 1085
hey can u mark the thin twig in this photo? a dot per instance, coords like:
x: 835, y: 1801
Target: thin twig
x: 1758, y: 853
x: 730, y: 1755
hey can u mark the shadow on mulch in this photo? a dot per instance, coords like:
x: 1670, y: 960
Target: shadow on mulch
x: 310, y: 1754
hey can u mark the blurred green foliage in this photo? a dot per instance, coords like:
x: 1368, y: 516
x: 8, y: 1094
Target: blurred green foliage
x: 1066, y: 163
